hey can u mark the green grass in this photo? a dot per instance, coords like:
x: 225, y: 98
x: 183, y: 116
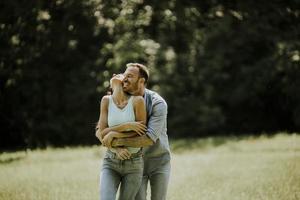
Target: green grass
x: 249, y: 168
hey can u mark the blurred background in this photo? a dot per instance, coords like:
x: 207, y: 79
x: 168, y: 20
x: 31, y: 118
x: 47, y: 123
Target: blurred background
x: 224, y: 67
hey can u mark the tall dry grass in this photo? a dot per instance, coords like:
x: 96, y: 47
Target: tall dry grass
x: 249, y: 168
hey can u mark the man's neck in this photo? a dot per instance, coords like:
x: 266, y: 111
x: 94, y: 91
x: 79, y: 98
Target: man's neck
x: 139, y: 92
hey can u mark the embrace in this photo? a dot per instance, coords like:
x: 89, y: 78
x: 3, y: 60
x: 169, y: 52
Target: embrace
x: 133, y: 127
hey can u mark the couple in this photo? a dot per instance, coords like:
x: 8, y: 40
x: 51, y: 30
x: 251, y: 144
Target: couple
x: 133, y: 126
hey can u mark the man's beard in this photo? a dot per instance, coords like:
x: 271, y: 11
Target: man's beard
x: 133, y: 88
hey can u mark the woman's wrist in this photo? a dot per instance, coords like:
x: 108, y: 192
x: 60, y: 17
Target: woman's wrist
x: 113, y: 134
x: 123, y: 127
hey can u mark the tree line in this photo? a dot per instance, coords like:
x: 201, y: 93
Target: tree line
x: 224, y: 67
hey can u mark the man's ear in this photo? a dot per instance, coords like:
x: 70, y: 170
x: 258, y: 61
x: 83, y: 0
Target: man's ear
x: 142, y: 80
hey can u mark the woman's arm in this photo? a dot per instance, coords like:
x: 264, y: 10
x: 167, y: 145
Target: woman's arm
x: 140, y: 110
x: 140, y: 117
x: 102, y: 123
x: 138, y: 127
x: 156, y: 126
x: 102, y: 128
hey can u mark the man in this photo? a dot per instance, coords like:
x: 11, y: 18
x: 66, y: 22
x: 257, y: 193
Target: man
x: 155, y: 141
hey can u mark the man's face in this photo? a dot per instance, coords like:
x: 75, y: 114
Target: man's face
x: 131, y: 83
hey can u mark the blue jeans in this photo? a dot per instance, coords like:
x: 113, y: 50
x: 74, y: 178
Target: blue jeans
x: 157, y: 172
x: 114, y: 172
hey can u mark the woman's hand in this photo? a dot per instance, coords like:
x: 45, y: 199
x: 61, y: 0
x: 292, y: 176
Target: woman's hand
x: 107, y: 140
x: 123, y: 153
x: 137, y: 127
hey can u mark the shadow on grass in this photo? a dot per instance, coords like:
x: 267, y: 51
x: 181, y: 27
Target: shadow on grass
x: 179, y: 145
x: 286, y: 142
x: 7, y: 158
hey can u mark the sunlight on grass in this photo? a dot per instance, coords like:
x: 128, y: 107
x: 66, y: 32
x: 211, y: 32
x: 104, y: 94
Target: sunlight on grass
x: 217, y: 168
x: 51, y: 174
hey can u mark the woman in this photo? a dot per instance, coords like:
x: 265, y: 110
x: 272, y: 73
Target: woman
x: 121, y: 115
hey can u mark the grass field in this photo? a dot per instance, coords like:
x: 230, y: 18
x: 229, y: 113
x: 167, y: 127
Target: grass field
x: 249, y: 168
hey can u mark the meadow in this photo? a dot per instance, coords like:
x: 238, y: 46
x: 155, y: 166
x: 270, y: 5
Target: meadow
x: 227, y: 168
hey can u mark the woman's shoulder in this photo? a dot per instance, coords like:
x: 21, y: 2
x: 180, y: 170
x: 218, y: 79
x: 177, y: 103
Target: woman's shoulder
x: 105, y: 99
x: 138, y: 100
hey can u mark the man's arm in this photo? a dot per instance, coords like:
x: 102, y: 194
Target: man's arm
x: 138, y: 126
x: 156, y: 125
x: 138, y: 141
x: 108, y: 138
x: 140, y: 115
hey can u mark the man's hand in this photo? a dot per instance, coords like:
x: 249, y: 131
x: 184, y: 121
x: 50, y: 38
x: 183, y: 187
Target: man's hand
x: 137, y: 127
x: 138, y: 141
x: 107, y: 140
x: 123, y: 153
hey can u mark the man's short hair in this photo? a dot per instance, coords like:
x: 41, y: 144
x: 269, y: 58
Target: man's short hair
x: 143, y: 70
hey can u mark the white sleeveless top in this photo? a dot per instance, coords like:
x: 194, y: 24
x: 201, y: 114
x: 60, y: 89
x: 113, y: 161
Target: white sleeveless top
x: 118, y: 116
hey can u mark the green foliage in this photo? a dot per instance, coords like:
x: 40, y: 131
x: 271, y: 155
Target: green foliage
x: 223, y: 67
x: 46, y: 62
